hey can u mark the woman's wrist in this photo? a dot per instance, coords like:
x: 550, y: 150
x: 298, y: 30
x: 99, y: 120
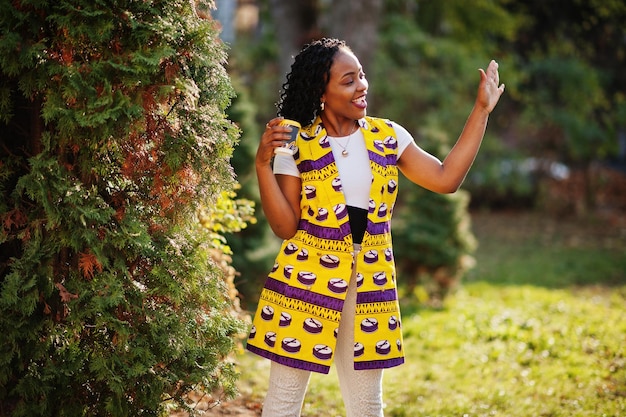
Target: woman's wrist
x: 262, y: 166
x: 481, y: 109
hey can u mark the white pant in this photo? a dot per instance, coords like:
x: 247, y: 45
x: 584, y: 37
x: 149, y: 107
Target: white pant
x: 361, y: 390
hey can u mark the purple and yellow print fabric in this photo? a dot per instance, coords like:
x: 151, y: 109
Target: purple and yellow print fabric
x: 300, y: 305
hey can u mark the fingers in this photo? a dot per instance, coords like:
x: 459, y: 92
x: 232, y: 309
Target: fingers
x: 492, y: 72
x: 490, y: 89
x: 492, y: 75
x: 495, y: 75
x: 274, y: 135
x: 274, y: 122
x: 276, y: 132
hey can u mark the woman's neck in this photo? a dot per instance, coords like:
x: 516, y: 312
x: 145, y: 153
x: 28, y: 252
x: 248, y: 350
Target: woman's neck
x: 339, y: 129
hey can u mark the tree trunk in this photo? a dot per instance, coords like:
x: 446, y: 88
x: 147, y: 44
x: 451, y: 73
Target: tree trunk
x: 298, y: 22
x: 295, y: 23
x: 356, y: 22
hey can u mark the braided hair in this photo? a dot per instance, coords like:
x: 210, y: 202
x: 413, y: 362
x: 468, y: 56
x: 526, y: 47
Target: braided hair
x: 310, y: 72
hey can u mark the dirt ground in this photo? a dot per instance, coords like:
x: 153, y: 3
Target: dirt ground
x: 239, y: 407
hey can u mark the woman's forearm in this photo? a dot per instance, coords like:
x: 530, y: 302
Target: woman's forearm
x: 276, y: 207
x: 461, y: 157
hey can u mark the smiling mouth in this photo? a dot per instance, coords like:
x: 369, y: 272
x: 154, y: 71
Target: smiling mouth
x: 360, y: 102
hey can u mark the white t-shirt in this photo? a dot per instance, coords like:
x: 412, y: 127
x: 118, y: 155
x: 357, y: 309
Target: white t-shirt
x: 354, y: 169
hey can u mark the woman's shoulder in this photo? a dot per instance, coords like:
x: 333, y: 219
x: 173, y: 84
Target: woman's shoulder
x: 379, y: 122
x: 373, y: 120
x: 402, y: 135
x: 382, y: 121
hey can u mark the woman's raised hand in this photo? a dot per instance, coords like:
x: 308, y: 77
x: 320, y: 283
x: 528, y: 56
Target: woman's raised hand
x: 489, y: 89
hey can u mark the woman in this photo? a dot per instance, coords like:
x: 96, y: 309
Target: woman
x: 331, y: 295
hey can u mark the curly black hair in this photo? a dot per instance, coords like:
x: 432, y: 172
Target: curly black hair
x: 310, y: 72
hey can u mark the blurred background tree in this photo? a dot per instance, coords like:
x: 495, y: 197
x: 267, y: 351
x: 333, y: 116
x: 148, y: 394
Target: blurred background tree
x: 114, y: 299
x: 561, y: 118
x: 571, y: 97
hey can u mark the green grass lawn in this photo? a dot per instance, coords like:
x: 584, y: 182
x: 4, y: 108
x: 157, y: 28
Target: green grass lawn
x: 538, y: 328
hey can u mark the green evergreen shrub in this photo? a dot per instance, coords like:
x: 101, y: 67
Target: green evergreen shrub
x: 433, y: 242
x: 113, y: 135
x: 429, y: 88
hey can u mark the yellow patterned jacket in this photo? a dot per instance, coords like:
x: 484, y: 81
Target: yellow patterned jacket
x: 300, y: 305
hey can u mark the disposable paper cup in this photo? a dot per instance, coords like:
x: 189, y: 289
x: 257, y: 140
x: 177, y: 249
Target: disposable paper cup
x: 288, y: 148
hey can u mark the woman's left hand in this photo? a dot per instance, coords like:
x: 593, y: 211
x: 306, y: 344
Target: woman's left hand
x: 490, y: 89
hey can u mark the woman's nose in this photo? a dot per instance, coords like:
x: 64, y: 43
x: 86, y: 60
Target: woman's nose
x: 363, y: 84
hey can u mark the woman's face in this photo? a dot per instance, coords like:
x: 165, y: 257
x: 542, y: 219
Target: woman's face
x: 345, y: 95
